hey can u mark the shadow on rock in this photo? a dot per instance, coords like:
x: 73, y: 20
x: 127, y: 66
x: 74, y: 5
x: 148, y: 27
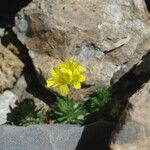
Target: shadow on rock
x: 34, y: 86
x: 127, y: 86
x: 96, y: 136
x: 20, y: 111
x: 131, y: 82
x: 148, y: 4
x: 8, y: 10
x: 27, y: 113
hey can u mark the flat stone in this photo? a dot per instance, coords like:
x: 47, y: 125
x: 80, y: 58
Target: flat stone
x: 55, y: 137
x: 2, y: 32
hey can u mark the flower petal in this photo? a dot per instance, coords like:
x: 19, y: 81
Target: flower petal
x: 81, y: 68
x: 62, y: 65
x: 82, y: 78
x: 50, y: 83
x: 65, y: 74
x: 64, y: 90
x: 54, y: 72
x: 77, y: 85
x: 65, y: 70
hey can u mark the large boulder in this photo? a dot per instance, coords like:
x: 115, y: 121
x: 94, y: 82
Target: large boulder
x: 108, y: 37
x: 11, y: 68
x: 135, y: 129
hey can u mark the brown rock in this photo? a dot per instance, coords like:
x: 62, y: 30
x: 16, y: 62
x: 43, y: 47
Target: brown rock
x: 108, y: 37
x: 10, y: 68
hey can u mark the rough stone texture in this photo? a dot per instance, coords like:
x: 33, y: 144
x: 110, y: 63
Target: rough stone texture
x: 7, y: 101
x: 21, y: 90
x: 1, y: 34
x: 135, y: 133
x: 55, y: 137
x: 39, y: 137
x: 10, y: 68
x: 108, y: 37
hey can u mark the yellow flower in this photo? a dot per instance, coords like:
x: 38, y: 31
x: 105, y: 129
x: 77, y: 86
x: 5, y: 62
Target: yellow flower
x: 77, y: 79
x: 65, y: 75
x: 72, y: 66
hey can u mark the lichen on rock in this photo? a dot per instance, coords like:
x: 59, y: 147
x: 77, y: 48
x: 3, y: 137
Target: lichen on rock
x: 11, y: 68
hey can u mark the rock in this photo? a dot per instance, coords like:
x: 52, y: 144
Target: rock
x: 11, y: 42
x: 21, y: 90
x: 108, y: 37
x: 7, y: 101
x: 54, y: 137
x: 135, y: 132
x: 10, y: 68
x: 2, y: 32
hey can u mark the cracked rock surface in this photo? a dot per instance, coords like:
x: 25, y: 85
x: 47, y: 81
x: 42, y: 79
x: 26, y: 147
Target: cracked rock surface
x: 108, y: 37
x: 11, y: 68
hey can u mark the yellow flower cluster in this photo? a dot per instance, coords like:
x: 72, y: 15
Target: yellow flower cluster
x: 65, y: 75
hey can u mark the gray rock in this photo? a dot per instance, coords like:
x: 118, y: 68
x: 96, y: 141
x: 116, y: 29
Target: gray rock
x: 20, y: 87
x: 39, y: 137
x: 2, y: 32
x: 55, y: 137
x: 108, y: 37
x: 134, y: 133
x: 21, y: 90
x: 7, y: 101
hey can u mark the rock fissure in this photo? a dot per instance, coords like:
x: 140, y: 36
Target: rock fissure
x: 112, y: 50
x: 34, y: 87
x: 147, y: 4
x: 129, y: 108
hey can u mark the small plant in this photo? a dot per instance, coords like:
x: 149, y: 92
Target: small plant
x: 69, y: 112
x: 100, y: 99
x: 38, y: 116
x: 27, y: 114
